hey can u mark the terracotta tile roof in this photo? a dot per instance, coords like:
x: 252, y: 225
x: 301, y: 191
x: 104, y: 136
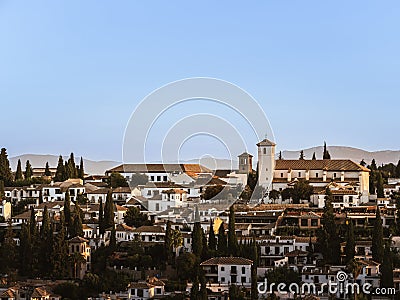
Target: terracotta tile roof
x: 227, y: 261
x: 78, y: 239
x: 99, y: 191
x: 319, y: 164
x: 124, y: 190
x: 8, y: 294
x: 266, y: 142
x: 296, y: 253
x: 159, y: 168
x: 123, y: 227
x: 155, y: 229
x: 245, y: 154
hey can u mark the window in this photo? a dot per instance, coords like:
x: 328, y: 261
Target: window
x: 334, y: 175
x: 281, y: 175
x: 222, y: 268
x: 158, y: 178
x: 222, y: 279
x: 304, y: 222
x: 316, y: 175
x: 151, y: 178
x: 165, y: 178
x: 149, y: 193
x: 243, y: 279
x: 265, y: 150
x: 243, y: 270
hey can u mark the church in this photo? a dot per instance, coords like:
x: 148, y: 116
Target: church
x: 348, y: 181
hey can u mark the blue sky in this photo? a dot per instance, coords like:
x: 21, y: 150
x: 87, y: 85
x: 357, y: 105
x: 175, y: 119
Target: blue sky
x: 72, y: 72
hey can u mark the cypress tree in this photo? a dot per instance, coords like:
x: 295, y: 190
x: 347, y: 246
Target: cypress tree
x: 47, y: 171
x: 326, y: 154
x: 113, y: 238
x: 25, y: 251
x: 59, y: 255
x: 197, y: 239
x: 101, y: 218
x: 168, y: 242
x: 60, y: 172
x: 232, y: 239
x: 5, y: 171
x: 109, y: 211
x: 397, y: 173
x: 72, y: 171
x: 77, y: 228
x: 280, y: 155
x: 45, y: 228
x: 379, y: 186
x: 254, y: 290
x: 301, y: 155
x: 350, y: 242
x: 387, y: 269
x: 222, y: 244
x: 67, y: 209
x: 81, y: 169
x: 377, y: 238
x: 18, y: 173
x: 2, y: 192
x: 204, y: 247
x: 8, y: 251
x: 363, y: 163
x: 328, y: 237
x: 67, y: 169
x: 212, y: 241
x: 32, y: 223
x: 28, y: 170
x: 373, y: 166
x: 314, y: 156
x: 45, y: 244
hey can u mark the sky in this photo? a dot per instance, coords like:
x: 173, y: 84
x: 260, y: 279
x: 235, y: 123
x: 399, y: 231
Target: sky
x: 73, y: 72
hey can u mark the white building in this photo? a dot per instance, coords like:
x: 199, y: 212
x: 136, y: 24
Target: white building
x: 221, y: 272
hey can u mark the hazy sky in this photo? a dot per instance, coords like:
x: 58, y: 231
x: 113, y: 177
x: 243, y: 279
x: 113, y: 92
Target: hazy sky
x: 72, y: 72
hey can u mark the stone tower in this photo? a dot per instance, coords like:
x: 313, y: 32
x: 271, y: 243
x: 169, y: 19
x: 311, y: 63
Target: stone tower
x: 266, y: 163
x: 245, y: 163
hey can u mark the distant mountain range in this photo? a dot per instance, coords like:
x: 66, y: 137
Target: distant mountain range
x: 39, y: 161
x: 342, y: 152
x: 337, y: 152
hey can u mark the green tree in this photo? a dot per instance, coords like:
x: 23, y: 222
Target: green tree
x: 373, y: 166
x: 379, y: 186
x: 232, y: 239
x: 76, y: 229
x: 138, y: 179
x: 67, y: 209
x: 387, y: 269
x: 302, y: 190
x: 109, y: 211
x: 363, y: 163
x: 5, y: 171
x: 81, y: 173
x: 18, y: 173
x: 168, y: 241
x: 8, y: 250
x: 350, y: 242
x: 134, y: 217
x: 72, y: 171
x: 287, y: 193
x: 222, y: 245
x: 197, y: 240
x: 397, y: 173
x: 212, y: 241
x: 280, y: 155
x: 326, y: 154
x: 60, y: 252
x: 101, y: 219
x: 113, y: 238
x: 60, y: 172
x: 314, y: 157
x: 25, y: 251
x: 47, y: 171
x: 28, y: 170
x: 327, y: 236
x: 254, y: 290
x: 377, y: 238
x: 186, y: 265
x: 2, y: 192
x: 274, y: 195
x: 117, y: 180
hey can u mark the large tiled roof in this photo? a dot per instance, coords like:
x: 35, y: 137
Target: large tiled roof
x: 227, y: 261
x: 155, y: 229
x: 319, y: 164
x: 154, y: 168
